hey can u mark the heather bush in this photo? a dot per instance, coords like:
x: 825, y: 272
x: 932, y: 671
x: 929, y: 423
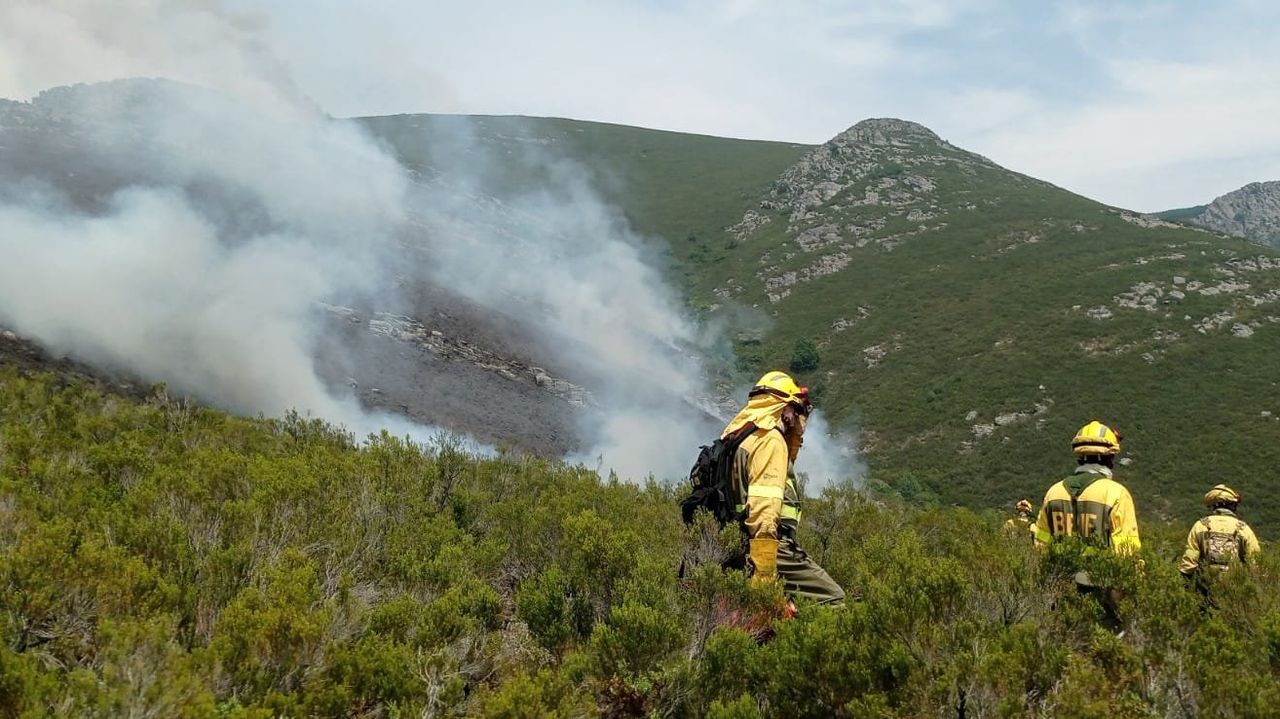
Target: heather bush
x: 159, y: 559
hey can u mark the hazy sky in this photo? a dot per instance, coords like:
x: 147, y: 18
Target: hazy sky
x: 1147, y: 105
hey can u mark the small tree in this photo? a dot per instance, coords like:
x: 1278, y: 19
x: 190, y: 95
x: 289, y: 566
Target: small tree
x: 804, y: 357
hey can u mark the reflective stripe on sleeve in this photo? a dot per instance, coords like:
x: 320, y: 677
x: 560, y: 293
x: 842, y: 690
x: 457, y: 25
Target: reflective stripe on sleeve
x: 764, y: 490
x: 789, y: 512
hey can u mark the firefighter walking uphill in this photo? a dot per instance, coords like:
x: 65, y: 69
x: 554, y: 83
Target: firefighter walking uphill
x: 764, y: 479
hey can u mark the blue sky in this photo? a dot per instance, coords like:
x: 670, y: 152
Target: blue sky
x: 1146, y: 105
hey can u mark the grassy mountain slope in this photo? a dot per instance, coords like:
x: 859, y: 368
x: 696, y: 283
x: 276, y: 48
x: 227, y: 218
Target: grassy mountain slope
x: 979, y: 335
x: 968, y: 318
x: 159, y: 559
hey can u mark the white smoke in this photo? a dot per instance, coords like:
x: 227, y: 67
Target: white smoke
x: 828, y: 457
x: 244, y: 207
x: 252, y: 208
x: 48, y: 43
x: 560, y: 259
x: 178, y: 289
x: 247, y: 208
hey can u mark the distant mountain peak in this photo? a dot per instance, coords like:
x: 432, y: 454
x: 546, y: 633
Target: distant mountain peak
x: 882, y: 130
x: 1251, y: 212
x: 879, y: 162
x: 1258, y: 188
x: 125, y: 89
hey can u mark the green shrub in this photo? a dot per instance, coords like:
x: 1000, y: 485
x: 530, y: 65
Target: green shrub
x: 804, y: 356
x: 156, y: 559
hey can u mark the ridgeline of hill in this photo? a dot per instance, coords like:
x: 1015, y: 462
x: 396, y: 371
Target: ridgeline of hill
x: 968, y: 319
x: 161, y: 559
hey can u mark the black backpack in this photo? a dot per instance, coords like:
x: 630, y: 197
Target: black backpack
x: 712, y: 480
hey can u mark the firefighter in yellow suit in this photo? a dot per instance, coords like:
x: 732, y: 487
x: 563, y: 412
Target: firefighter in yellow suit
x: 1220, y: 540
x: 764, y: 476
x: 1019, y: 525
x: 1092, y: 505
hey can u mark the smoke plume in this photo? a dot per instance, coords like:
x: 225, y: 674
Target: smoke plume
x: 241, y: 209
x: 204, y: 271
x: 829, y: 457
x: 558, y: 258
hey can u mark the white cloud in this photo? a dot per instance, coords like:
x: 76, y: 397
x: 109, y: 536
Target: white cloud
x: 1132, y: 146
x: 795, y: 71
x: 1124, y: 102
x: 45, y: 43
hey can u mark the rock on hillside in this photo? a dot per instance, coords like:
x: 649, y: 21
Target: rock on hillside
x: 872, y: 185
x: 882, y: 161
x: 1251, y: 212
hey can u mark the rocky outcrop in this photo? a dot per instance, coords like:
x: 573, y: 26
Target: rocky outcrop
x: 457, y: 349
x: 873, y: 186
x: 1150, y: 222
x: 881, y: 150
x: 1251, y: 212
x: 1241, y: 289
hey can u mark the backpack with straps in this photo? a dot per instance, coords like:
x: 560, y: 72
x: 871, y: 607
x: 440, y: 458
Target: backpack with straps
x: 1075, y: 486
x: 711, y: 478
x: 1220, y: 549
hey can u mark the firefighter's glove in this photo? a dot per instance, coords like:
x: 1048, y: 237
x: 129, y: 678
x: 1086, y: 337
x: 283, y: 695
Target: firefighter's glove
x: 764, y: 557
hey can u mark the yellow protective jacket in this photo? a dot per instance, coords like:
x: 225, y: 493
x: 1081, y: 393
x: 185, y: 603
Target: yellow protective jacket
x: 1102, y: 511
x: 1019, y: 526
x: 1213, y: 538
x: 763, y: 473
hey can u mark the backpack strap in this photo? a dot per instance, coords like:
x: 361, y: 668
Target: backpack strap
x: 1239, y: 535
x: 730, y: 461
x: 1204, y: 523
x: 743, y: 432
x: 1074, y: 490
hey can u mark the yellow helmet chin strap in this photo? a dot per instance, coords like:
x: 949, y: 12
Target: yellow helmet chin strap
x: 782, y: 386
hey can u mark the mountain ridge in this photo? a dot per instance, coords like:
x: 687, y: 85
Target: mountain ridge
x: 927, y: 278
x: 1251, y: 212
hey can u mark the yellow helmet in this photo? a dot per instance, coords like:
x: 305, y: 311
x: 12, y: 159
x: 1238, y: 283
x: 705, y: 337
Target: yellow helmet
x: 780, y: 384
x: 1023, y: 506
x: 1096, y: 438
x: 1221, y: 494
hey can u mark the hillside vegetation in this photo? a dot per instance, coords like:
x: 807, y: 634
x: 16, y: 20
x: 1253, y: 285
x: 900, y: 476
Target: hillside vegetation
x: 159, y: 559
x: 966, y: 319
